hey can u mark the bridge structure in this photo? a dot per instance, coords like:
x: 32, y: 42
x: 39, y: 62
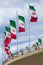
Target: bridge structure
x: 32, y: 58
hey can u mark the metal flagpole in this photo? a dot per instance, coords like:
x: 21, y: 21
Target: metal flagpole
x: 29, y: 26
x: 17, y: 30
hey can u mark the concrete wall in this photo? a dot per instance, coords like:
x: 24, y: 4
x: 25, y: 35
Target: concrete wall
x: 31, y: 60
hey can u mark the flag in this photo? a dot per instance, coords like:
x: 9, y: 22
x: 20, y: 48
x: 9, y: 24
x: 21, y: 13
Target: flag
x: 5, y: 44
x: 32, y: 8
x: 7, y: 40
x: 21, y: 23
x: 7, y: 36
x: 39, y: 41
x: 7, y: 51
x: 33, y: 19
x: 13, y: 29
x: 33, y: 16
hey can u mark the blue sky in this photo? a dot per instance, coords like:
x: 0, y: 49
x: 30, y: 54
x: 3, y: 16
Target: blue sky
x: 8, y: 10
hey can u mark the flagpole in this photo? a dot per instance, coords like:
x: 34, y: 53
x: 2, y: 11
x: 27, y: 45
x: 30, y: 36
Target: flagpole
x: 29, y: 34
x: 17, y: 30
x: 29, y: 27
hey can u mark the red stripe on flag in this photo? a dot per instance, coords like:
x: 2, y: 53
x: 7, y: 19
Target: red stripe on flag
x: 7, y: 40
x: 7, y: 51
x: 6, y: 45
x: 21, y: 29
x: 13, y: 36
x: 33, y: 19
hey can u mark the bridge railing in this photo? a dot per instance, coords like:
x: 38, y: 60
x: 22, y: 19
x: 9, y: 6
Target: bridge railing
x: 23, y: 56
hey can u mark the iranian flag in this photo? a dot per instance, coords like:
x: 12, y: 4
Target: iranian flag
x: 33, y: 14
x: 6, y: 45
x: 7, y: 51
x: 7, y: 36
x: 39, y: 41
x: 13, y: 29
x: 21, y: 23
x: 7, y: 40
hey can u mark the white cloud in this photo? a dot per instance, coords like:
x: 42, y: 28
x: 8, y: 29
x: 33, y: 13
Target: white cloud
x: 1, y: 54
x: 14, y: 3
x: 6, y: 15
x: 1, y: 41
x: 13, y: 48
x: 9, y: 13
x: 21, y: 46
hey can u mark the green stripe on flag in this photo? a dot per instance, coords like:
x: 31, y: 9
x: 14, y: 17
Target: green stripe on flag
x: 21, y: 18
x: 40, y: 41
x: 32, y: 8
x: 12, y: 23
x: 7, y: 29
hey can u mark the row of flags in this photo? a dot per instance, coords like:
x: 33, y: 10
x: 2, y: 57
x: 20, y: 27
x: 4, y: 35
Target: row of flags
x: 10, y: 32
